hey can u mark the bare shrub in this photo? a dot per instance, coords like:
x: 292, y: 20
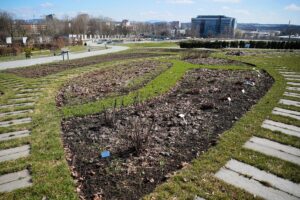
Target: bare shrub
x: 194, y: 54
x: 137, y: 135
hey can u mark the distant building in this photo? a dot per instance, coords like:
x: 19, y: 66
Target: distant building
x: 34, y: 28
x: 50, y: 17
x: 213, y: 26
x: 174, y: 24
x: 125, y: 23
x: 186, y: 26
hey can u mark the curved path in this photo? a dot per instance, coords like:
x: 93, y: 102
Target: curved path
x: 35, y: 61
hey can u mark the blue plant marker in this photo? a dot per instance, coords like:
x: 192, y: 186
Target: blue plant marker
x: 105, y: 154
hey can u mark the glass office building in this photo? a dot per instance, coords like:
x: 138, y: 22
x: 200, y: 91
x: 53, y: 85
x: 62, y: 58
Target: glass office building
x: 213, y: 26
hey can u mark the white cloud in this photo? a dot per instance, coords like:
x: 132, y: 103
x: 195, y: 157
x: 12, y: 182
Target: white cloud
x: 153, y: 15
x: 227, y: 1
x: 47, y: 5
x: 229, y: 10
x: 292, y: 7
x: 180, y: 1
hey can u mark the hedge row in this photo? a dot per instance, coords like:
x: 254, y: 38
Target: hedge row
x: 240, y: 44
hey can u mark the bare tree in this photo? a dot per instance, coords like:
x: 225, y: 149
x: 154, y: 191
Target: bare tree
x: 6, y: 25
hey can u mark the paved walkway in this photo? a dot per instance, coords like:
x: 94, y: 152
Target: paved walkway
x: 262, y: 183
x: 15, y: 122
x: 35, y: 61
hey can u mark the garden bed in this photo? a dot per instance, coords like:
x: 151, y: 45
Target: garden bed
x: 109, y: 82
x: 149, y: 142
x: 215, y: 61
x: 38, y: 71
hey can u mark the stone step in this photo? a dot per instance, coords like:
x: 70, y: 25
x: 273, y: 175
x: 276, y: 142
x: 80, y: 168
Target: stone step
x: 291, y: 75
x: 293, y: 83
x: 285, y: 72
x: 16, y: 180
x: 17, y: 105
x: 292, y: 79
x: 22, y: 99
x: 258, y: 182
x: 29, y: 90
x: 14, y: 135
x: 289, y: 102
x: 297, y: 89
x: 5, y: 114
x: 14, y: 153
x: 28, y: 94
x: 290, y: 94
x: 286, y: 113
x: 281, y: 127
x: 15, y: 122
x: 271, y: 148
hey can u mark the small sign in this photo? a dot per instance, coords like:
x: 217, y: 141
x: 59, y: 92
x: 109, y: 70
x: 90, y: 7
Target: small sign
x: 8, y: 40
x: 24, y: 39
x: 105, y: 154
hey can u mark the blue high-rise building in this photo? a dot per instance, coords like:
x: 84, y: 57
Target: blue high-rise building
x: 213, y: 26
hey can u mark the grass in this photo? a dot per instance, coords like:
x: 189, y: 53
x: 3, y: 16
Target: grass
x: 51, y: 175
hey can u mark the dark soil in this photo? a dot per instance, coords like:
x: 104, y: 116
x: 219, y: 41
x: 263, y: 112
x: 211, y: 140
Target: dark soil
x: 149, y: 142
x: 113, y: 81
x: 215, y: 61
x: 52, y: 68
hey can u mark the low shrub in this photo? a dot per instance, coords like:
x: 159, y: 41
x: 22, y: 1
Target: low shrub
x: 240, y: 44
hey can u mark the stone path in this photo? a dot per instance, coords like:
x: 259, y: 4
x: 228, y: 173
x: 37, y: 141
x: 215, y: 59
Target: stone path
x: 286, y: 113
x: 16, y: 118
x: 262, y: 183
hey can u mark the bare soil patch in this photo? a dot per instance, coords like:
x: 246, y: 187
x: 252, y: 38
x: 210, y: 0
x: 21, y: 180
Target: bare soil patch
x: 109, y: 82
x: 38, y: 71
x: 150, y: 142
x: 215, y: 61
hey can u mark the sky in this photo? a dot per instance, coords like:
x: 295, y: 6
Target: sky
x: 245, y: 11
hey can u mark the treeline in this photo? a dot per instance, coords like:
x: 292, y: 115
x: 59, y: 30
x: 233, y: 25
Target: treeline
x: 240, y: 44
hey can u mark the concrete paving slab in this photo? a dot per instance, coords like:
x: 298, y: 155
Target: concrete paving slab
x: 16, y: 180
x: 15, y: 122
x: 291, y: 75
x: 17, y: 105
x: 292, y: 79
x: 252, y: 186
x: 286, y: 113
x: 271, y: 148
x: 293, y: 89
x: 22, y: 99
x: 281, y: 127
x: 285, y: 72
x: 14, y: 153
x: 13, y: 113
x: 293, y: 83
x: 29, y: 90
x: 291, y: 94
x: 14, y: 135
x: 23, y: 95
x: 289, y: 102
x: 263, y: 176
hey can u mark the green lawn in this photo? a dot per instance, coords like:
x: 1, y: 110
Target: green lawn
x: 51, y: 175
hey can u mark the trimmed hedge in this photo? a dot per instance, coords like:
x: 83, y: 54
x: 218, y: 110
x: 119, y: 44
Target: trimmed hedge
x: 240, y: 44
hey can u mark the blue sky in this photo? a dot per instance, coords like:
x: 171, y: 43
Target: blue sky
x: 249, y: 11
